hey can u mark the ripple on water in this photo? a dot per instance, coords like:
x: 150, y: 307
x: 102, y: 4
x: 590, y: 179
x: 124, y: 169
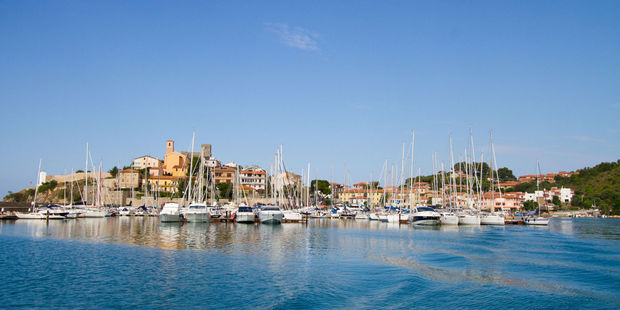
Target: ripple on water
x: 126, y: 262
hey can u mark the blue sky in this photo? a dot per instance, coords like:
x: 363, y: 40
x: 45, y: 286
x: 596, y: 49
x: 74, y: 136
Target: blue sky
x: 336, y: 83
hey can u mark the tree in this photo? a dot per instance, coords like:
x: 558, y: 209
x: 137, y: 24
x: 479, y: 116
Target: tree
x: 556, y: 200
x: 323, y: 187
x: 224, y: 190
x: 530, y: 205
x: 113, y: 171
x: 505, y: 174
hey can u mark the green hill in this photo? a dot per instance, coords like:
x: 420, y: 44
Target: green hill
x: 599, y: 185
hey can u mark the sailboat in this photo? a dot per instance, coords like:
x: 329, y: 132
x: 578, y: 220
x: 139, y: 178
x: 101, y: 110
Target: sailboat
x: 536, y: 219
x: 33, y: 215
x: 271, y: 214
x: 493, y: 218
x: 197, y: 211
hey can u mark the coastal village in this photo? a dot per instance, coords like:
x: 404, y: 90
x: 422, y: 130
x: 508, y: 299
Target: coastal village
x: 149, y: 180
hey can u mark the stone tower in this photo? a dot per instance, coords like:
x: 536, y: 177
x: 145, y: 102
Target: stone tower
x: 169, y: 146
x: 206, y: 150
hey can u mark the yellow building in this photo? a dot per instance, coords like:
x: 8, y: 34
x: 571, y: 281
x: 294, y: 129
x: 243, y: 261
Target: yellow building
x: 168, y: 184
x: 175, y: 163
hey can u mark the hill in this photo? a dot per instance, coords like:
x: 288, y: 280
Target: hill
x: 599, y: 185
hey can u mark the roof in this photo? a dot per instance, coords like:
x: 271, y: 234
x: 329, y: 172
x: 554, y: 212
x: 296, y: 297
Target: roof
x: 129, y: 171
x: 149, y: 156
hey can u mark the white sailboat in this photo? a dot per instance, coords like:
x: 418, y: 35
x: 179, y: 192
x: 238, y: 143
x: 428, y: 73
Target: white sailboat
x: 536, y: 219
x: 33, y: 215
x: 494, y: 218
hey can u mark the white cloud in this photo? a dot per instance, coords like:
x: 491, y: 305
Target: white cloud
x: 587, y: 139
x: 296, y: 37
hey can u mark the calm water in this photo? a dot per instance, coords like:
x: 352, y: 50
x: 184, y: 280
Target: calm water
x: 140, y: 263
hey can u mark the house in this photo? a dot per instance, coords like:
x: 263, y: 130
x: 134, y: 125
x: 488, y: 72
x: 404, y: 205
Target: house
x: 507, y: 202
x: 360, y: 185
x: 254, y: 177
x: 223, y: 174
x: 129, y: 178
x: 165, y: 183
x: 175, y: 163
x: 146, y: 161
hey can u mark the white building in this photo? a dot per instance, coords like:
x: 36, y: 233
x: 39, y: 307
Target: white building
x: 231, y: 164
x: 253, y: 176
x: 212, y: 162
x: 42, y: 177
x: 146, y: 162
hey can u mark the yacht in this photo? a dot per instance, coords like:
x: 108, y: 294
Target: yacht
x: 197, y: 212
x: 469, y: 219
x: 291, y: 216
x: 270, y: 215
x: 447, y: 217
x: 245, y: 215
x: 94, y: 213
x: 170, y: 212
x: 424, y: 216
x: 492, y: 219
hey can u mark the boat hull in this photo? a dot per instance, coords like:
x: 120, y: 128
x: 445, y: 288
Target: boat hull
x: 469, y: 220
x: 270, y: 217
x: 244, y: 217
x: 492, y: 220
x: 540, y: 221
x: 197, y: 217
x: 169, y: 218
x: 449, y: 219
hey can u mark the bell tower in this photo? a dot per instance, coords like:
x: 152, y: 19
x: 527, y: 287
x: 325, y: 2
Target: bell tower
x: 169, y: 146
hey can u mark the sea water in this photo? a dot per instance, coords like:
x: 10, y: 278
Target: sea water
x: 138, y: 262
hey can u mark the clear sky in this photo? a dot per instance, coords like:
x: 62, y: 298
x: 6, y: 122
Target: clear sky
x: 334, y: 82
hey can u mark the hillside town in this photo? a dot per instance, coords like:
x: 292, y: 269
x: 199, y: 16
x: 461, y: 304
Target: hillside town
x: 153, y: 181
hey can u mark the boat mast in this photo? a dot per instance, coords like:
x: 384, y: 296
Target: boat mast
x: 411, y: 172
x: 191, y: 166
x: 36, y: 189
x: 86, y: 178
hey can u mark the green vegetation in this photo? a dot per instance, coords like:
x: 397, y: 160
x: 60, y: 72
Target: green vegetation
x: 599, y: 185
x: 47, y: 186
x: 113, y: 171
x: 224, y: 190
x: 505, y: 174
x: 321, y: 185
x: 530, y: 205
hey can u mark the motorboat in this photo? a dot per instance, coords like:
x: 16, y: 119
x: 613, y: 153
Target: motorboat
x: 170, y: 212
x: 270, y: 215
x: 245, y: 214
x: 197, y: 212
x: 424, y: 216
